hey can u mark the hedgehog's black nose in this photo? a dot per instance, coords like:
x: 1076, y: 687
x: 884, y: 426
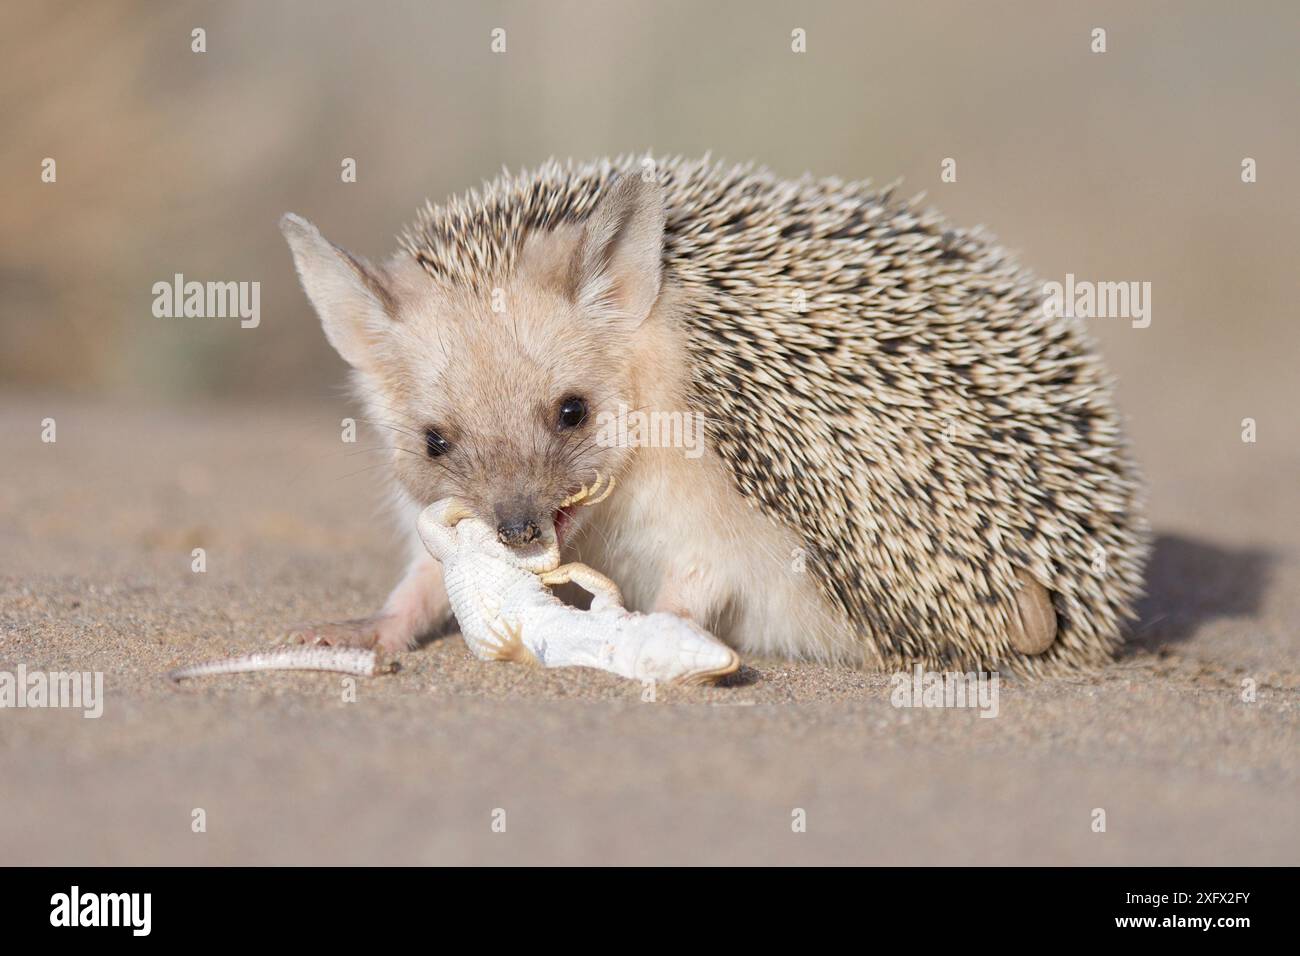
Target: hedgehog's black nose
x: 518, y: 533
x: 517, y: 522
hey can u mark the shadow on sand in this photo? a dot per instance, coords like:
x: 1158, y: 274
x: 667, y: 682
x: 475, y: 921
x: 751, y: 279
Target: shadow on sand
x: 1190, y: 583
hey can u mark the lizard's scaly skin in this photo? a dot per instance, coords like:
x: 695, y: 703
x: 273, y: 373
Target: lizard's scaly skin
x: 506, y: 612
x: 343, y: 660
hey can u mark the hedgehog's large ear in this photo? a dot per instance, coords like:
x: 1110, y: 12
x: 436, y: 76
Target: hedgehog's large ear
x: 620, y: 254
x: 353, y: 304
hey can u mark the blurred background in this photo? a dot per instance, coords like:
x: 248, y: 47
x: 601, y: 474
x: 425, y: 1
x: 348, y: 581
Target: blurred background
x: 1122, y: 166
x: 1119, y: 166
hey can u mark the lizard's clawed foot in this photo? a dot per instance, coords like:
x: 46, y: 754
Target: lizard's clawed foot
x: 584, y: 496
x: 604, y: 592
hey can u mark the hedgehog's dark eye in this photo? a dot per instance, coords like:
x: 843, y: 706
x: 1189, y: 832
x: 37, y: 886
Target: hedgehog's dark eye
x: 573, y: 412
x: 435, y: 444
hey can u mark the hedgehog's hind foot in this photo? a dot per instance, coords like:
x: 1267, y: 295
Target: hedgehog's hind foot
x: 1033, y: 619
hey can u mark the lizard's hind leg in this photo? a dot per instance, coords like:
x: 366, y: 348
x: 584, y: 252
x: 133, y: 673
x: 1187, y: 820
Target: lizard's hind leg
x: 604, y: 592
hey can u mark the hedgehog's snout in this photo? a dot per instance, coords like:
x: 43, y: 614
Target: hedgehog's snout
x: 518, y: 523
x: 518, y: 533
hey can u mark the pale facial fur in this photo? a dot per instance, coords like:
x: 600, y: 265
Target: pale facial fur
x: 492, y: 385
x: 585, y: 315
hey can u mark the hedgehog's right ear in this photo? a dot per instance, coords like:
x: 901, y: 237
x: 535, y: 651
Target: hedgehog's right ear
x: 353, y: 304
x: 619, y: 259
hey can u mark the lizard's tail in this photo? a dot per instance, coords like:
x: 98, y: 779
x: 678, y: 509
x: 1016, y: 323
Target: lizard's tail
x: 357, y: 661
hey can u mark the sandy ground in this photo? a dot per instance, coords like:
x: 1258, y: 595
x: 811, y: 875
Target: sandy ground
x: 95, y: 538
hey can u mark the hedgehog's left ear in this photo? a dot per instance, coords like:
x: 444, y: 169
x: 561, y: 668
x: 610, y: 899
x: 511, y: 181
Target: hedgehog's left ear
x: 620, y: 254
x: 353, y: 304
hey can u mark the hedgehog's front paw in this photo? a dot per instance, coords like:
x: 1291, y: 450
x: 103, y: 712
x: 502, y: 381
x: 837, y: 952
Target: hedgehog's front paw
x: 360, y: 632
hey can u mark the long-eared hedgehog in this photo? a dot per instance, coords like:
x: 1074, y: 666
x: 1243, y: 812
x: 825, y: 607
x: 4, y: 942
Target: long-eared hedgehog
x: 907, y: 459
